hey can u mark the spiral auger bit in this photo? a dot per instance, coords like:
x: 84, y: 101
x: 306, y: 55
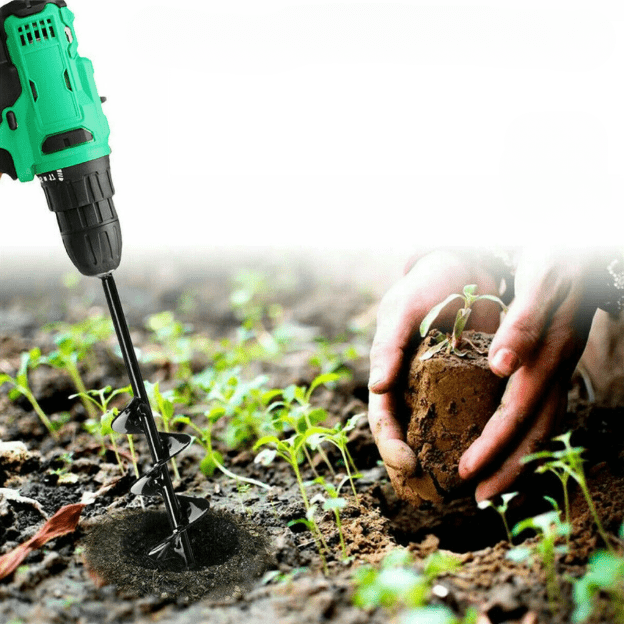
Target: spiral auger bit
x: 52, y: 126
x: 137, y: 417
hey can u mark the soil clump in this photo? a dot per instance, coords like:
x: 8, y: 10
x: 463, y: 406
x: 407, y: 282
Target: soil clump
x: 449, y: 400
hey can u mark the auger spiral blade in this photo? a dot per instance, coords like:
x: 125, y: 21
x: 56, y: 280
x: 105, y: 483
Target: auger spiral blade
x: 137, y: 418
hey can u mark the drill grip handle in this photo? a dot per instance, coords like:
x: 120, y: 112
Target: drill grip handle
x: 82, y: 199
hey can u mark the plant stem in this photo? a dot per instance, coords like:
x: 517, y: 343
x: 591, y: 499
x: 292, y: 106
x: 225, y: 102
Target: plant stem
x: 343, y: 545
x: 74, y: 373
x: 206, y: 440
x: 42, y: 415
x: 116, y: 450
x: 594, y: 513
x: 134, y: 460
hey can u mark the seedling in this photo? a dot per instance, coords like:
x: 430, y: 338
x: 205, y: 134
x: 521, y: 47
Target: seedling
x: 397, y: 585
x: 550, y: 529
x: 175, y: 346
x: 74, y: 344
x: 295, y: 411
x: 28, y: 360
x: 312, y: 525
x: 453, y: 341
x: 102, y: 426
x: 502, y: 510
x: 334, y: 502
x: 567, y: 463
x: 604, y: 575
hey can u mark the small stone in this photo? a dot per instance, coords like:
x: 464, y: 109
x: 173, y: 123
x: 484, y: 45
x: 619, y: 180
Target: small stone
x: 13, y: 454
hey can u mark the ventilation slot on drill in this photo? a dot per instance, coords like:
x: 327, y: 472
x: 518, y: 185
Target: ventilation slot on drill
x: 35, y: 32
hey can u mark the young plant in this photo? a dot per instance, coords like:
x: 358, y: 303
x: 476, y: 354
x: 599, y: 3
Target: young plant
x: 502, y: 510
x: 604, y: 575
x: 567, y: 463
x: 334, y: 502
x: 398, y: 587
x: 295, y: 411
x: 213, y: 459
x: 101, y: 426
x: 338, y: 437
x: 29, y: 360
x: 550, y: 529
x: 174, y: 345
x: 312, y: 525
x: 453, y: 341
x: 74, y: 343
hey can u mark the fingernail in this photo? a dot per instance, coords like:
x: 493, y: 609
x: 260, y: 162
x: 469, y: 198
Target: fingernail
x: 504, y: 363
x: 376, y: 377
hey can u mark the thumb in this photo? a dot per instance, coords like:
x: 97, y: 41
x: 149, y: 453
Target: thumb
x: 520, y: 331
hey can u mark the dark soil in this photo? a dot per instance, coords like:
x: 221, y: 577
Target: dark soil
x: 248, y: 531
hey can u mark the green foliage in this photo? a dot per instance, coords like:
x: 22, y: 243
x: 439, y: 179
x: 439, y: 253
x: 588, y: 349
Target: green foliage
x: 398, y: 587
x: 453, y: 340
x: 332, y: 502
x: 28, y: 361
x: 566, y: 463
x: 74, y: 344
x: 604, y: 575
x: 173, y: 343
x: 100, y: 426
x: 239, y: 406
x: 550, y: 529
x: 502, y: 510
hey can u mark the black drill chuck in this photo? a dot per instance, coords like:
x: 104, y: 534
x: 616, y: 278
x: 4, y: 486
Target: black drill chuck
x: 82, y: 199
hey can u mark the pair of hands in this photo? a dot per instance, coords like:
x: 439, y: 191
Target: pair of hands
x: 537, y: 346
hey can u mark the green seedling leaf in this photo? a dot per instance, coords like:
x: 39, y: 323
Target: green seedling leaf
x: 470, y: 290
x: 5, y: 379
x: 208, y: 465
x: 495, y: 300
x: 334, y: 503
x: 433, y: 314
x: 463, y: 314
x: 265, y: 457
x: 322, y: 380
x: 429, y: 353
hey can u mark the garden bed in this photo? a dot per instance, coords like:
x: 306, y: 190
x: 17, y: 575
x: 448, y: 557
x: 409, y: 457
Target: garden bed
x: 281, y: 332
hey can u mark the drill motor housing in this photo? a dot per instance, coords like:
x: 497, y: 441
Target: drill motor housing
x: 52, y: 126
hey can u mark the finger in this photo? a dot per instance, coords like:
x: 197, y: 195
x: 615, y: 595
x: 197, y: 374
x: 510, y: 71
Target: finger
x: 402, y: 309
x: 523, y: 328
x: 523, y: 395
x: 541, y: 429
x: 399, y: 459
x: 382, y: 419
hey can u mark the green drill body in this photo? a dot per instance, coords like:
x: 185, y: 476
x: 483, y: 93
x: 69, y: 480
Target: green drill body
x: 52, y: 126
x: 57, y: 120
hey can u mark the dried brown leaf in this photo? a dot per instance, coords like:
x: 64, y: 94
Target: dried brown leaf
x: 64, y: 521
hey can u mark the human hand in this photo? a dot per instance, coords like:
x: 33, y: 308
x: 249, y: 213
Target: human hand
x: 429, y: 281
x: 538, y: 346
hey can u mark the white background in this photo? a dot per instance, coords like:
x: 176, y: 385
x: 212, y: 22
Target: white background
x: 351, y: 125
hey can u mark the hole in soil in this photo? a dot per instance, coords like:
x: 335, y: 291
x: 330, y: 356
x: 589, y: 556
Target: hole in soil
x: 214, y: 540
x: 230, y: 555
x: 458, y: 533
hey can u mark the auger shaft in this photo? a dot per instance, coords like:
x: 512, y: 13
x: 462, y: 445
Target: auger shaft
x: 174, y: 512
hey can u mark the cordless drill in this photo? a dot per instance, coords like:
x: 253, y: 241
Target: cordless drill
x: 52, y: 126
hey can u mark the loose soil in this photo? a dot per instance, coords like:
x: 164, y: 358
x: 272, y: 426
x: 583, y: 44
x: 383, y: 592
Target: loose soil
x: 54, y: 585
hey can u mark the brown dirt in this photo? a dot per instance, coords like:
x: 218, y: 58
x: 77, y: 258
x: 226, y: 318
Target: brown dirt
x: 449, y: 400
x: 54, y: 586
